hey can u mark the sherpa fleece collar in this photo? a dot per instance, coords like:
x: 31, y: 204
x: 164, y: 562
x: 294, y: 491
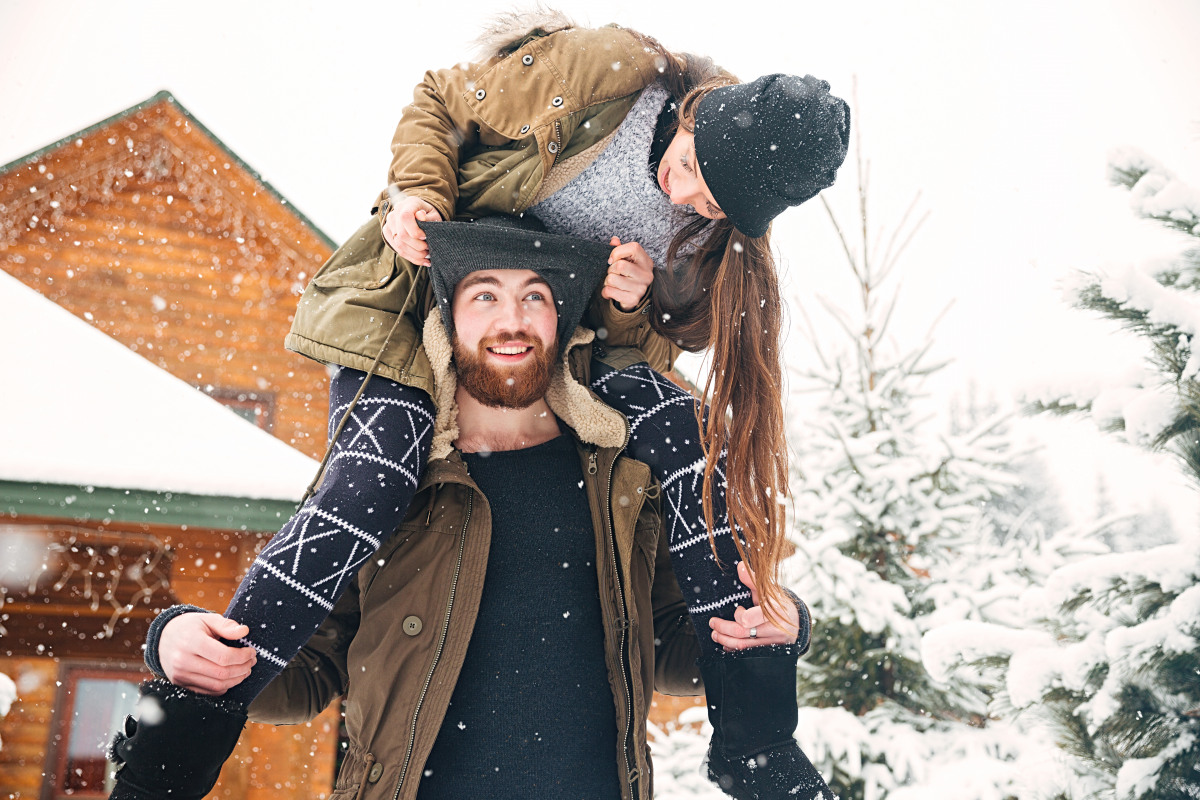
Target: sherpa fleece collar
x: 571, y: 401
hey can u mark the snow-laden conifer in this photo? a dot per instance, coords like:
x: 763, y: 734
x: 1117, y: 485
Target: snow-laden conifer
x: 888, y: 504
x: 1109, y: 652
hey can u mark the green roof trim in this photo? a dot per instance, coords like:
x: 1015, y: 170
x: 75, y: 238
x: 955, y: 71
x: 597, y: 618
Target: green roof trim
x: 102, y: 504
x: 170, y: 98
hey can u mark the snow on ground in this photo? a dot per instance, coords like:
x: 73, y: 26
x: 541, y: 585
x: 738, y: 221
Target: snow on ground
x: 80, y: 408
x: 8, y: 695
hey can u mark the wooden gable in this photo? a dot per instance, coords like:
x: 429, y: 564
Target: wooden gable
x: 149, y: 228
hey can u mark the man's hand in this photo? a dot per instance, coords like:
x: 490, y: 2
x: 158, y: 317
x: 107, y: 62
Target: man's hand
x: 735, y: 635
x: 630, y: 273
x: 194, y: 657
x: 400, y: 229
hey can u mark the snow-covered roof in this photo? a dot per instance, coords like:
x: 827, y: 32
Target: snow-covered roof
x: 80, y: 408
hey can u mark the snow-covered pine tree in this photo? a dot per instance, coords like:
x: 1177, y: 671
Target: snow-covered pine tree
x: 1137, y: 718
x: 886, y: 504
x: 1116, y: 664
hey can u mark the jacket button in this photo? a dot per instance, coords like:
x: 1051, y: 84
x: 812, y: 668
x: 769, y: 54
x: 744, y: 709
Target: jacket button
x: 556, y: 102
x: 376, y: 773
x: 524, y: 129
x: 479, y: 95
x: 412, y: 625
x: 527, y: 59
x: 552, y: 147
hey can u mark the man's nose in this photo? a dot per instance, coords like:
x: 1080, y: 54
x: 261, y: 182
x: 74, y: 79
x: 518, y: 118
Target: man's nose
x: 512, y: 316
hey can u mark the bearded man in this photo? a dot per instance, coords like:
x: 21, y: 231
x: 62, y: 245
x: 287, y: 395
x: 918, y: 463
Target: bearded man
x: 506, y: 640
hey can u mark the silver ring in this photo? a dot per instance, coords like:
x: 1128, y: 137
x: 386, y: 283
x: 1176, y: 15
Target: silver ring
x: 754, y: 633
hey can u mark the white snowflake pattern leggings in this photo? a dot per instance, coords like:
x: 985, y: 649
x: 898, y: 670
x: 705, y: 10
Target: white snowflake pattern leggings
x: 369, y: 482
x: 373, y: 474
x: 664, y: 435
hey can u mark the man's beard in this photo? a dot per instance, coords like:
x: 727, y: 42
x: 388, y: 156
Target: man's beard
x: 517, y: 386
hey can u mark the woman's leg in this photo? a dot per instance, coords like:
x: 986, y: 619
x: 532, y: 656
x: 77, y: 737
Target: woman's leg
x: 751, y: 694
x: 664, y: 434
x: 371, y: 477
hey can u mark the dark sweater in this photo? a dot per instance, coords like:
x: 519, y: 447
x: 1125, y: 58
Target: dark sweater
x: 532, y: 714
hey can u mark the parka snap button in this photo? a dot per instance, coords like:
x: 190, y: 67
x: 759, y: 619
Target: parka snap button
x: 376, y: 773
x: 479, y: 95
x: 524, y: 129
x: 552, y: 147
x: 412, y: 625
x: 527, y: 59
x: 556, y: 102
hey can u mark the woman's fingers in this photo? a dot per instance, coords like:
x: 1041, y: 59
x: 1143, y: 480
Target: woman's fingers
x: 630, y: 273
x: 733, y: 636
x: 204, y: 683
x: 193, y: 656
x: 748, y: 618
x: 628, y: 299
x: 221, y: 656
x: 402, y: 230
x: 638, y: 261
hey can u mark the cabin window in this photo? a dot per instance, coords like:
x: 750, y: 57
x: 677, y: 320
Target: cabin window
x: 93, y: 703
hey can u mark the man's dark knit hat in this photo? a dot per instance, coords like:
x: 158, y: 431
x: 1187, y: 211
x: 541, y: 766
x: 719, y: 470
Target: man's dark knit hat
x: 573, y: 267
x: 770, y: 144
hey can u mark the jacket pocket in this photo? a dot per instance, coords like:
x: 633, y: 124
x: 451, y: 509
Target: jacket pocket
x: 646, y: 535
x: 364, y: 261
x: 375, y: 272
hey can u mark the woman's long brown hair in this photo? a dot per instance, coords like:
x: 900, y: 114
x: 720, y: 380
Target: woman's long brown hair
x: 724, y: 296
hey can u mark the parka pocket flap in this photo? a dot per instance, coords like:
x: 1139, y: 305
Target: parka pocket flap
x: 373, y: 273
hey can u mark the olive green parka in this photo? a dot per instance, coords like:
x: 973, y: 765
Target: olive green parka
x: 478, y: 139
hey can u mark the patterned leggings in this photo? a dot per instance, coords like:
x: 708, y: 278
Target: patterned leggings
x: 373, y: 474
x: 369, y: 482
x: 664, y: 435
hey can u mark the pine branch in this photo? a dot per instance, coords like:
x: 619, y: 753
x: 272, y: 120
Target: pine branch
x: 908, y: 239
x: 881, y: 329
x: 1058, y: 408
x: 888, y: 258
x: 850, y: 258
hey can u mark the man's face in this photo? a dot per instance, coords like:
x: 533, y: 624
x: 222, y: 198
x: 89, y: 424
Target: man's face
x: 505, y: 336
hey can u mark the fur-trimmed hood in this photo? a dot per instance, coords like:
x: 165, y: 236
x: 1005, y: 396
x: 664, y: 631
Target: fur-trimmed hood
x: 571, y: 401
x: 506, y: 32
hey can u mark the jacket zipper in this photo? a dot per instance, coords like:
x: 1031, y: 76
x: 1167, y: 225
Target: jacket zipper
x: 557, y: 141
x: 612, y: 535
x: 412, y: 736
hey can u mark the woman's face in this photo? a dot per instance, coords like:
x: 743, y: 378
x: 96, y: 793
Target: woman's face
x: 679, y: 176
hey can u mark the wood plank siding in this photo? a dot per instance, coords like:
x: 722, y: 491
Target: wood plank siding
x: 151, y: 230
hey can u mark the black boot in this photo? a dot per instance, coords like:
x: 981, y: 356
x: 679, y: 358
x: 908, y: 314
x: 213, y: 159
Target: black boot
x: 752, y: 706
x: 176, y: 749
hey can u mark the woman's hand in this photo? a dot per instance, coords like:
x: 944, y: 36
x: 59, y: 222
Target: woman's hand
x: 735, y: 635
x: 630, y: 273
x: 400, y: 229
x: 194, y: 657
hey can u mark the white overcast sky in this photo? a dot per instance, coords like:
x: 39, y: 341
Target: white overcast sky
x: 1000, y: 113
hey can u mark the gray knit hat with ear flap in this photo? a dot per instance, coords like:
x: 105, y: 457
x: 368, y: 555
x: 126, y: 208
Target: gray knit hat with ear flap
x: 574, y: 268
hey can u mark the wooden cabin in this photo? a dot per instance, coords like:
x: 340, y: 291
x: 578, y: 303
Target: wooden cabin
x: 151, y: 231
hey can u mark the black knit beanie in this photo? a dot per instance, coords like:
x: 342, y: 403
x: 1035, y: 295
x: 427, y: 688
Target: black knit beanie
x: 573, y: 267
x: 770, y: 144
